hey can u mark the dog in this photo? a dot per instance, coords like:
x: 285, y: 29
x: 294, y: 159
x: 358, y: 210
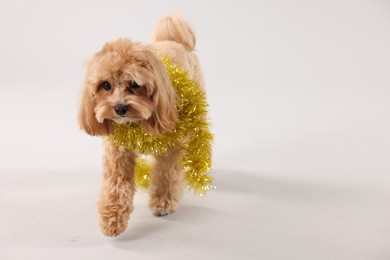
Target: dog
x: 127, y: 83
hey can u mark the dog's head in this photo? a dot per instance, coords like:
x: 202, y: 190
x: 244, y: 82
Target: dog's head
x: 126, y: 82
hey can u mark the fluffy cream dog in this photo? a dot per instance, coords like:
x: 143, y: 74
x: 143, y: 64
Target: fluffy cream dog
x: 127, y: 82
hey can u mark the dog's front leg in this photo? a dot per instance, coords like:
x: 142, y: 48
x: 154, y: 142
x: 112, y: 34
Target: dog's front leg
x: 166, y: 186
x: 115, y: 203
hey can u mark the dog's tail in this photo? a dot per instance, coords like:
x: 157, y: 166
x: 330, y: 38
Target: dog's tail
x: 174, y: 28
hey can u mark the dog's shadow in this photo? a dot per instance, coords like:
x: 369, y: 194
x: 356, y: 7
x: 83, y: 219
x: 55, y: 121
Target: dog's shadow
x: 232, y: 183
x: 148, y: 226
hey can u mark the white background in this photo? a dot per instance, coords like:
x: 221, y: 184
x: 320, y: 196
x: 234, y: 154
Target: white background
x: 299, y: 98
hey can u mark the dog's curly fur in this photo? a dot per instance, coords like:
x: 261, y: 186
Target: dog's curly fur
x: 130, y: 74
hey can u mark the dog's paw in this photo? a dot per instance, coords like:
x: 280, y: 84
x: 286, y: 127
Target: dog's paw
x: 113, y: 220
x: 159, y: 212
x: 113, y: 229
x: 161, y: 207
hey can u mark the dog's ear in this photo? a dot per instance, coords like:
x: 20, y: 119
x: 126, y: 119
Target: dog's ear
x: 87, y: 118
x: 164, y: 116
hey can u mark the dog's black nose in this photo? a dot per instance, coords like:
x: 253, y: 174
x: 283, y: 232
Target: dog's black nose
x: 120, y: 109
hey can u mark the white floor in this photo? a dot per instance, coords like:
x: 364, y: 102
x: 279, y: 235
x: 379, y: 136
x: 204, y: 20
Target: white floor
x: 250, y: 216
x: 299, y: 98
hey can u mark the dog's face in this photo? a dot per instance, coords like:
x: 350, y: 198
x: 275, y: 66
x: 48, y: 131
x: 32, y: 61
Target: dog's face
x: 126, y: 82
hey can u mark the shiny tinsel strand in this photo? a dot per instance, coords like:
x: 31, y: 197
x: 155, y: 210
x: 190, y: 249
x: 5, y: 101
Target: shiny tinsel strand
x: 193, y: 127
x: 142, y: 172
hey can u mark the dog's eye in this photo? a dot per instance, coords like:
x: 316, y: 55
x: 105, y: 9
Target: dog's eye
x: 134, y: 85
x: 106, y: 85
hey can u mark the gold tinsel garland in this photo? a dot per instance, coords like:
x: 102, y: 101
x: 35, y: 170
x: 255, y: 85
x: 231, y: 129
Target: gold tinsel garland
x: 193, y: 127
